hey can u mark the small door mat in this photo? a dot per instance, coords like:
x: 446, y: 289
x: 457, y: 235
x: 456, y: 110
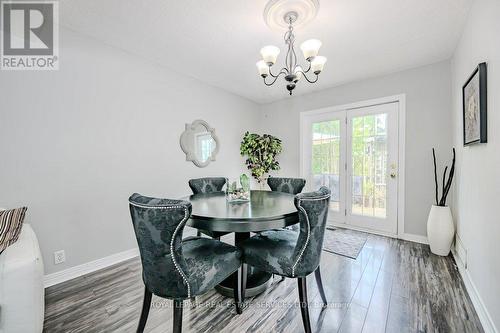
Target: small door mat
x: 347, y: 243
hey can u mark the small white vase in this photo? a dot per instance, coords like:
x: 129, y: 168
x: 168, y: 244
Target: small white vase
x: 440, y: 230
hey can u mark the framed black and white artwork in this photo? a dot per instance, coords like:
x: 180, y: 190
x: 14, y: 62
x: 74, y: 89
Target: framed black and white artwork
x: 474, y: 107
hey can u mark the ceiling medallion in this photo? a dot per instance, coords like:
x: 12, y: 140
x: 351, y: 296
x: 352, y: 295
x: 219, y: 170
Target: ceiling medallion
x: 280, y: 14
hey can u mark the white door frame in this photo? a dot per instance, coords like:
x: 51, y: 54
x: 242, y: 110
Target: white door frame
x: 401, y: 99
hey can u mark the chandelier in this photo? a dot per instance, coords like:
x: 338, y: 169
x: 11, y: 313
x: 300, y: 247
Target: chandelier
x: 292, y: 72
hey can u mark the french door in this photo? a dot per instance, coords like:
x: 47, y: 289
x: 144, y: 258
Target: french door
x: 354, y: 152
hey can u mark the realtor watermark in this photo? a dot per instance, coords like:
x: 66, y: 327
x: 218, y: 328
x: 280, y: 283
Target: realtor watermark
x: 29, y: 35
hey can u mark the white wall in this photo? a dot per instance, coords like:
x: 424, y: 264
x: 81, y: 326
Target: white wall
x: 74, y: 144
x: 477, y: 185
x: 428, y: 116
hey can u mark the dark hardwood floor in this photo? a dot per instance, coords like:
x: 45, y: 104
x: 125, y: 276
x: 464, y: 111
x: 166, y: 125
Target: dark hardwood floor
x: 393, y: 286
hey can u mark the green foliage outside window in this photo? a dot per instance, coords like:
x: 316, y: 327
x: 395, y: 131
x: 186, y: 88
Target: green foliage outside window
x: 369, y: 153
x: 326, y: 148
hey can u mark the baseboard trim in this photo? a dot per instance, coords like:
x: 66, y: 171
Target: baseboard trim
x: 414, y: 238
x: 477, y: 301
x: 89, y: 267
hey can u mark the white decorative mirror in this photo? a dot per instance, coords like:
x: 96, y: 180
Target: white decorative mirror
x: 200, y: 143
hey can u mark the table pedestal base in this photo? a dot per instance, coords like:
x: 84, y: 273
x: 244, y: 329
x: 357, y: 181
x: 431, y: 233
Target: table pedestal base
x: 257, y: 283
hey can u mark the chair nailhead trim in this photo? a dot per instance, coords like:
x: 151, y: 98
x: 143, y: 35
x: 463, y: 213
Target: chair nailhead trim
x: 174, y: 206
x: 172, y: 252
x: 186, y: 217
x: 307, y: 239
x: 315, y: 198
x: 308, y: 228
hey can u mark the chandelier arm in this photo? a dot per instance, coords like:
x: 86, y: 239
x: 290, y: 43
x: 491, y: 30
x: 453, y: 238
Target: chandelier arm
x: 287, y: 64
x: 282, y: 71
x: 291, y: 57
x: 294, y: 62
x: 308, y: 68
x: 275, y: 78
x: 307, y: 79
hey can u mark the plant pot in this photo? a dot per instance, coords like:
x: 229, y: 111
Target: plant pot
x: 440, y: 230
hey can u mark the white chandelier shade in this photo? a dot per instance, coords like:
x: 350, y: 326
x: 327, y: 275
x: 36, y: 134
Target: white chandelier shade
x: 298, y: 72
x: 270, y: 54
x: 317, y: 64
x: 263, y: 68
x: 310, y: 48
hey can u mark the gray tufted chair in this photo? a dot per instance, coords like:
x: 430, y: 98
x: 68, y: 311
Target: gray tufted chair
x: 174, y: 268
x: 291, y: 254
x: 208, y: 185
x: 286, y: 185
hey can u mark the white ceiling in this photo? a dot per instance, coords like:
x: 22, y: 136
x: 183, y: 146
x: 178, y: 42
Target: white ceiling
x: 218, y: 41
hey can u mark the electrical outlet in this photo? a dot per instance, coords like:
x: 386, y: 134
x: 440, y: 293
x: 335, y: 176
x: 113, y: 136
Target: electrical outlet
x: 59, y: 257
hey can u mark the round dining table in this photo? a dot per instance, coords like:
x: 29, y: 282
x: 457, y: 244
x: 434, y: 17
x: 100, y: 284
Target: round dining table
x: 266, y: 210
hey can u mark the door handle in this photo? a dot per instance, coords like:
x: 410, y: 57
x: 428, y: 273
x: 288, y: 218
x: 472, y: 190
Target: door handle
x: 393, y: 175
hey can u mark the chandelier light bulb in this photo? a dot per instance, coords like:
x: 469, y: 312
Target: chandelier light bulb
x: 263, y: 68
x: 270, y: 54
x: 310, y: 48
x: 317, y: 64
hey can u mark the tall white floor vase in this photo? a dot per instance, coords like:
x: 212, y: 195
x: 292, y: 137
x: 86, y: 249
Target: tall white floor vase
x: 440, y: 230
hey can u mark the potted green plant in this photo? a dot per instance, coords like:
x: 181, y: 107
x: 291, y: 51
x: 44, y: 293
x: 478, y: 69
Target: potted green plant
x: 235, y: 194
x: 261, y: 152
x: 440, y: 227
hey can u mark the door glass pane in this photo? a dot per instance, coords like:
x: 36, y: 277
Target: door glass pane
x: 325, y: 164
x: 369, y: 165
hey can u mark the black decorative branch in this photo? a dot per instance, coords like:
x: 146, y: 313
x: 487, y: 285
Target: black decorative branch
x: 435, y: 175
x: 446, y: 182
x: 446, y: 190
x: 444, y: 176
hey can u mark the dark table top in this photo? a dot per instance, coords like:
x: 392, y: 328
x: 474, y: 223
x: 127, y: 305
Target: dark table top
x: 266, y: 210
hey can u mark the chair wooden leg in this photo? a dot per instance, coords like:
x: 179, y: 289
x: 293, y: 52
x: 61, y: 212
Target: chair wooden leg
x: 319, y: 282
x: 177, y: 316
x: 304, y: 309
x: 146, y: 304
x: 243, y: 273
x: 237, y: 287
